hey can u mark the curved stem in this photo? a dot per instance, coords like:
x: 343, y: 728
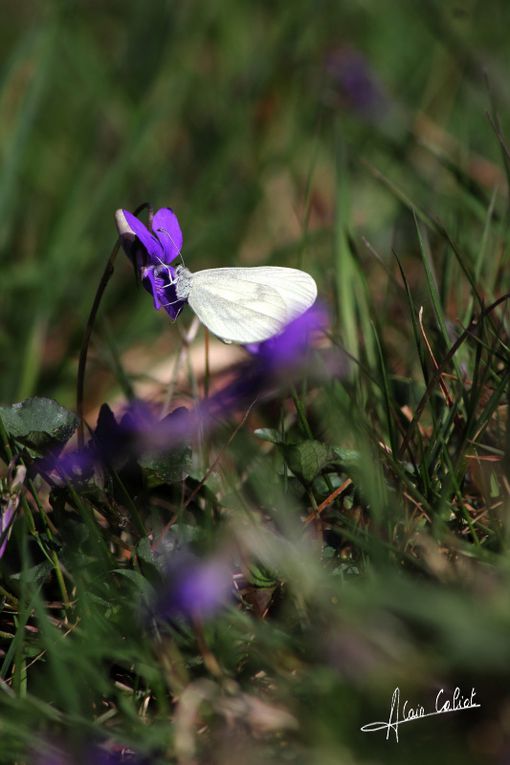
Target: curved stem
x: 80, y: 383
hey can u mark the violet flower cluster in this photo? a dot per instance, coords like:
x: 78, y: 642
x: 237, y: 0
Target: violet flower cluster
x: 270, y: 365
x: 152, y: 254
x: 115, y: 443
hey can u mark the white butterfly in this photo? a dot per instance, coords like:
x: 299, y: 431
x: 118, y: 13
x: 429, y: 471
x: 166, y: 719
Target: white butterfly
x: 239, y: 305
x: 246, y: 305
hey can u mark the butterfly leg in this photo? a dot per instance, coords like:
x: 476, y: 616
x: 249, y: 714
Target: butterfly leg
x: 173, y: 302
x: 162, y: 268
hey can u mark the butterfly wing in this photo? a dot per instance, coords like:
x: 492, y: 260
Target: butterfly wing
x: 249, y: 305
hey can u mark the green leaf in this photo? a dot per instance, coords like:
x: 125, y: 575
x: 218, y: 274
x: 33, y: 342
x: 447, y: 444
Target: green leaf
x: 261, y: 576
x: 347, y: 457
x: 307, y: 459
x: 269, y: 434
x: 135, y: 577
x: 170, y: 466
x: 144, y: 550
x: 35, y: 575
x: 39, y: 423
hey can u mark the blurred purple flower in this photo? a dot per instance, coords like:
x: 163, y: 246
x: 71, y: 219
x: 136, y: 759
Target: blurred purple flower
x: 114, y: 444
x: 152, y: 253
x: 276, y: 361
x: 192, y: 588
x: 355, y: 83
x: 88, y: 755
x: 290, y: 348
x: 273, y: 363
x: 52, y: 756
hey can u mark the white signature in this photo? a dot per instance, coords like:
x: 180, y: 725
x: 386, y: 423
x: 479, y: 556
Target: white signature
x: 444, y: 705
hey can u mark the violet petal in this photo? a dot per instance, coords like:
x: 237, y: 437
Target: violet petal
x: 149, y: 241
x: 166, y: 227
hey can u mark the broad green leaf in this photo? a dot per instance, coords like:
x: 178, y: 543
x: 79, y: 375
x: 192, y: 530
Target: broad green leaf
x: 39, y: 423
x: 348, y: 457
x: 35, y: 575
x: 135, y: 577
x: 307, y: 459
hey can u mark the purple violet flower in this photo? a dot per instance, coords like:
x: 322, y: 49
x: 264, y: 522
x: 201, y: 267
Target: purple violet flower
x: 152, y: 253
x: 114, y: 443
x: 192, y: 588
x: 355, y: 83
x: 290, y: 347
x: 271, y: 364
x: 88, y: 755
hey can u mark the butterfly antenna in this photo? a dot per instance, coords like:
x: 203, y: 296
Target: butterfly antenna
x: 179, y: 249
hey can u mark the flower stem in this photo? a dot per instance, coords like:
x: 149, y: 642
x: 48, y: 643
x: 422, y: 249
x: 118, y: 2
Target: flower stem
x: 80, y: 383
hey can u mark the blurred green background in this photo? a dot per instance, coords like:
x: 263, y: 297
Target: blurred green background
x: 280, y: 133
x: 232, y: 114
